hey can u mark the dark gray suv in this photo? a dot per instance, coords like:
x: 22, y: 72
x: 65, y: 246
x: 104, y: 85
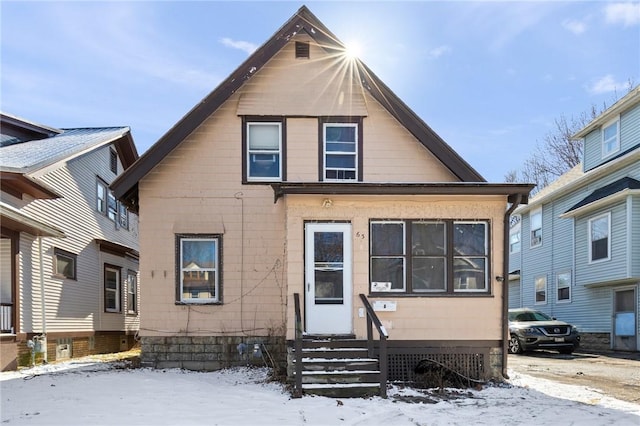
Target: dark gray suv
x: 530, y: 329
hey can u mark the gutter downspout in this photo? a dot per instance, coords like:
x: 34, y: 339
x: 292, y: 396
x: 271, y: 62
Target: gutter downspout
x: 42, y: 302
x: 505, y: 288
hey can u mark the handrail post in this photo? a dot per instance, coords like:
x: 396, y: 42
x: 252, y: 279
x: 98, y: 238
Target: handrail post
x: 369, y: 336
x: 298, y: 346
x: 372, y: 319
x: 384, y: 367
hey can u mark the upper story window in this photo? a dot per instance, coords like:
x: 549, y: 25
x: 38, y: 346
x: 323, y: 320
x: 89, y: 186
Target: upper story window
x: 112, y: 206
x: 101, y: 197
x: 123, y: 216
x: 541, y: 290
x: 113, y: 161
x: 535, y: 223
x: 340, y: 146
x: 611, y: 137
x: 64, y: 264
x: 198, y: 266
x: 599, y: 238
x: 563, y: 282
x: 514, y: 235
x: 264, y: 147
x: 423, y: 257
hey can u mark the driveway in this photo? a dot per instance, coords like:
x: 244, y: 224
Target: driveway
x: 615, y: 374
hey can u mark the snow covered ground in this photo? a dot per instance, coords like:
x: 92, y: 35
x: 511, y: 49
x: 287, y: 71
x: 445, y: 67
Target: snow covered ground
x: 90, y: 392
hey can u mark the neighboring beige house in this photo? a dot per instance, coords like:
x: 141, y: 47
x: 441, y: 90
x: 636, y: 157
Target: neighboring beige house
x: 69, y: 249
x: 303, y: 174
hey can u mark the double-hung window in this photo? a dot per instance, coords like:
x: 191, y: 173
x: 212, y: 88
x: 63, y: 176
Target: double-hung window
x: 563, y: 282
x: 198, y: 266
x: 535, y: 222
x: 541, y: 289
x: 611, y: 138
x: 111, y: 288
x: 101, y: 196
x: 340, y: 149
x: 425, y: 256
x: 264, y: 151
x: 132, y: 292
x: 514, y: 235
x: 599, y: 238
x: 112, y: 207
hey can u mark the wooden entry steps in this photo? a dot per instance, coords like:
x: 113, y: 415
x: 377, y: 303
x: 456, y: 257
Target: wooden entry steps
x: 339, y: 368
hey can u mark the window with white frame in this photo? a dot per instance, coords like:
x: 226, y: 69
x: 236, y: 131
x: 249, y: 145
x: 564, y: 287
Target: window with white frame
x: 599, y: 238
x: 101, y: 196
x: 111, y: 288
x: 514, y: 235
x: 611, y: 137
x: 112, y: 207
x: 541, y: 289
x: 340, y: 147
x: 132, y: 292
x: 198, y: 265
x: 535, y: 223
x: 563, y: 283
x: 64, y: 265
x: 424, y: 256
x: 264, y: 151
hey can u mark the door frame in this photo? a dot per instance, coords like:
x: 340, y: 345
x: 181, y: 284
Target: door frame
x: 337, y: 319
x: 635, y: 289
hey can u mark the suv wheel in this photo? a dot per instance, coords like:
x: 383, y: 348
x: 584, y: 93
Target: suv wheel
x: 514, y: 345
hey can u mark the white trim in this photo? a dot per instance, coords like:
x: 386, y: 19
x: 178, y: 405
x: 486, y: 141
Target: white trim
x: 629, y: 235
x: 324, y: 152
x: 268, y: 152
x: 590, y: 240
x: 598, y: 204
x: 534, y: 212
x: 616, y: 148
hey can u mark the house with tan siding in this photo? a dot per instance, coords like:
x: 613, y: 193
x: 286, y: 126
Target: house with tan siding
x: 302, y: 210
x: 69, y: 249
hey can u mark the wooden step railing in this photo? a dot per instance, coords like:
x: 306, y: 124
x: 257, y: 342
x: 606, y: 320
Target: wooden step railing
x: 372, y: 319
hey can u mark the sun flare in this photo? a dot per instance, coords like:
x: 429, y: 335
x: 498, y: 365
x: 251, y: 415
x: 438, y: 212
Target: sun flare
x: 352, y: 49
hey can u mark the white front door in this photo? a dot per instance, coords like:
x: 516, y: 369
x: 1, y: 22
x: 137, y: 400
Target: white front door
x: 328, y: 287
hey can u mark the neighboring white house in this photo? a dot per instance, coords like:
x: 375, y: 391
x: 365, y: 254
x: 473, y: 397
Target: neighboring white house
x: 575, y: 253
x: 69, y: 250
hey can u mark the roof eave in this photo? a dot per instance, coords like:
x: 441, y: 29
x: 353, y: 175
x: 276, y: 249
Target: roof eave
x: 627, y: 101
x: 511, y: 190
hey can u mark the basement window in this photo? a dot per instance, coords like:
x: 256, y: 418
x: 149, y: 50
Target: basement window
x: 302, y: 50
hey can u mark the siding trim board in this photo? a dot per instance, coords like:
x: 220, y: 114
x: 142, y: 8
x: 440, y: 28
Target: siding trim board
x: 511, y: 190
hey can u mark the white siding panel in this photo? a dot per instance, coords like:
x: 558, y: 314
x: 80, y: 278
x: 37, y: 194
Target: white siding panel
x: 72, y: 305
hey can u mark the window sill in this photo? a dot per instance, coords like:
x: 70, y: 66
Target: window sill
x: 178, y: 303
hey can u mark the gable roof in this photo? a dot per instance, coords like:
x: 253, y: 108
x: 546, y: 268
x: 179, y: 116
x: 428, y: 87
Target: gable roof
x: 32, y: 155
x: 27, y: 147
x: 625, y: 103
x: 126, y: 185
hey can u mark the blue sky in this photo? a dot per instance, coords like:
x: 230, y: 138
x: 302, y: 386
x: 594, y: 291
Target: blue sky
x: 489, y: 77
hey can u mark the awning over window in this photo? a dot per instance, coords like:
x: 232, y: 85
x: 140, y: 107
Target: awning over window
x: 607, y: 193
x: 117, y: 248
